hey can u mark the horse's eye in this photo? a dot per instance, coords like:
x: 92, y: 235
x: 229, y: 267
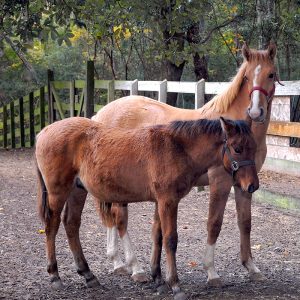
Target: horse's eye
x: 271, y: 75
x: 238, y: 150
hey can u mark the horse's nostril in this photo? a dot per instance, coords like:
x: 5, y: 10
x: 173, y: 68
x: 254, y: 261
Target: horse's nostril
x: 261, y: 112
x: 251, y: 188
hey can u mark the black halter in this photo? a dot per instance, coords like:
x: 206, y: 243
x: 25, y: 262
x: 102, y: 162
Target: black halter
x: 235, y: 165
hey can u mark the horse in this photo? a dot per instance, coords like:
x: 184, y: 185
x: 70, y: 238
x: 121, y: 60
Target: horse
x: 250, y: 93
x: 159, y: 163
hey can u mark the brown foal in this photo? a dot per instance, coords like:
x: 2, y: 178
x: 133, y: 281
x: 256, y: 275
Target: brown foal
x: 158, y: 163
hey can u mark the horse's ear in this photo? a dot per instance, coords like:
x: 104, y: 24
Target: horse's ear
x: 272, y: 50
x: 246, y: 51
x: 227, y: 125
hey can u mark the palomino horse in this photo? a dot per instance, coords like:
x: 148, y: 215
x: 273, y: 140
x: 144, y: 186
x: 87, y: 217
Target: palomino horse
x: 251, y: 90
x: 159, y: 163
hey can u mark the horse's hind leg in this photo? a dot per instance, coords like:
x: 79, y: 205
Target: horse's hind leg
x: 243, y: 207
x: 72, y: 221
x: 56, y: 204
x: 121, y: 220
x: 219, y: 191
x: 108, y: 220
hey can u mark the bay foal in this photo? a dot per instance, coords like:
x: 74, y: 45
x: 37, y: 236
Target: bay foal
x: 157, y: 163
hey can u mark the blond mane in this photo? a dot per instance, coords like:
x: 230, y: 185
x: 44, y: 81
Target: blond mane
x: 221, y: 103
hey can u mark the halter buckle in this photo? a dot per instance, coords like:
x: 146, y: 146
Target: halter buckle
x: 234, y: 165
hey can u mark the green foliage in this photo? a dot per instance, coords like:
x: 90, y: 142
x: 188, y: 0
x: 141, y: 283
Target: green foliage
x: 134, y: 39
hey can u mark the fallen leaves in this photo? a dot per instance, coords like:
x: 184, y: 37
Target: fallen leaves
x: 192, y: 264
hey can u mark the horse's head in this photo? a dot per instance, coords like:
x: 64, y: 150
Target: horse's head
x: 260, y: 76
x: 239, y: 153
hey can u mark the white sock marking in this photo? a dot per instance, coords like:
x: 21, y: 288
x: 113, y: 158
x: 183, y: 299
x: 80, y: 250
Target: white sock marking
x: 112, y: 247
x: 130, y: 256
x: 209, y: 262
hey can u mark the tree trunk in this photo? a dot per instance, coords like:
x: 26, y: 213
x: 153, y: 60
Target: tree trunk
x: 200, y: 66
x: 265, y: 10
x: 200, y: 60
x: 173, y: 71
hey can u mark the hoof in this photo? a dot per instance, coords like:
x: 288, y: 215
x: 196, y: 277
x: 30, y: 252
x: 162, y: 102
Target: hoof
x: 140, y: 277
x: 162, y: 289
x: 257, y: 277
x: 121, y: 271
x: 215, y: 282
x: 180, y: 296
x: 92, y: 282
x: 56, y: 284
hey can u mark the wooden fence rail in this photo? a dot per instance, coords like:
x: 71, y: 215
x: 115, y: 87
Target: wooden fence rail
x: 22, y: 119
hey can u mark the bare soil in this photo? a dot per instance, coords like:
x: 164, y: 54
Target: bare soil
x: 275, y: 245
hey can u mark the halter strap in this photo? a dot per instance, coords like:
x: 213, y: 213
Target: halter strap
x: 262, y: 90
x: 235, y: 165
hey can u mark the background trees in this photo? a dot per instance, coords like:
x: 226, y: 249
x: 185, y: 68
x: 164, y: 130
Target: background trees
x: 150, y: 40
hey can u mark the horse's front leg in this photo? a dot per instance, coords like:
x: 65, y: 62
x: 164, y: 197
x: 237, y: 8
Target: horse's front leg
x: 243, y: 207
x: 72, y: 221
x: 167, y: 210
x: 220, y: 184
x: 156, y: 249
x: 121, y: 219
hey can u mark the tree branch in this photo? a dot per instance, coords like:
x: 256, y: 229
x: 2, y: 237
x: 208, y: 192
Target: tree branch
x: 22, y: 57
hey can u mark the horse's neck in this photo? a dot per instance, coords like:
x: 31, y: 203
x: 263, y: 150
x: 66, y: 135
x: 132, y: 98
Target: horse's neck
x: 204, y: 151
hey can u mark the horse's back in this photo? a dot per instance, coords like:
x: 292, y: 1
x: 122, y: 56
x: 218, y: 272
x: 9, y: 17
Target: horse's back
x: 138, y: 111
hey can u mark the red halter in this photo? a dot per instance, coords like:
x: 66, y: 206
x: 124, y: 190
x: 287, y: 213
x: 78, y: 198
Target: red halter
x: 268, y: 95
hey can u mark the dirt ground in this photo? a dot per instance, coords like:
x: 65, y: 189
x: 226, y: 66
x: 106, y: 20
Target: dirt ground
x: 275, y: 244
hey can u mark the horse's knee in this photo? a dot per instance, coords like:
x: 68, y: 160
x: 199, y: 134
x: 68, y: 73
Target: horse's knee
x: 214, y: 227
x: 171, y: 242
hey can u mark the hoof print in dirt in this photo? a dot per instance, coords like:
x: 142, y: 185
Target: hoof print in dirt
x: 215, y: 283
x: 140, y: 277
x: 180, y: 296
x: 257, y: 277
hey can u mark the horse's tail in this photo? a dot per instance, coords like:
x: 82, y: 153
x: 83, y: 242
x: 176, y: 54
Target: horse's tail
x: 43, y: 204
x: 106, y: 213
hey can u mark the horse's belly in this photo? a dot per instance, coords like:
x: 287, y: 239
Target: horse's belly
x: 203, y: 180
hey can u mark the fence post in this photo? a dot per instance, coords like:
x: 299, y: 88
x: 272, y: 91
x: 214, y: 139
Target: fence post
x: 42, y: 107
x: 134, y: 90
x: 89, y: 90
x: 31, y: 119
x: 162, y: 94
x: 12, y: 125
x: 21, y: 119
x: 4, y: 126
x: 72, y: 98
x: 199, y: 93
x: 50, y: 77
x: 111, y: 91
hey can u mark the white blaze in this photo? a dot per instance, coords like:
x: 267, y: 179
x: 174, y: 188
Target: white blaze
x: 255, y: 109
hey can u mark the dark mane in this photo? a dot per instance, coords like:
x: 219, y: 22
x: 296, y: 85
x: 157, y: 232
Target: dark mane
x: 194, y: 128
